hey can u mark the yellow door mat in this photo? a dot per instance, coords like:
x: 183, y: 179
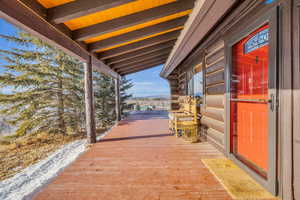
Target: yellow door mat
x: 237, y: 182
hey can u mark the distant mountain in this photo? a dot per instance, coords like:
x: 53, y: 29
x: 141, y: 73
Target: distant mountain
x: 153, y: 97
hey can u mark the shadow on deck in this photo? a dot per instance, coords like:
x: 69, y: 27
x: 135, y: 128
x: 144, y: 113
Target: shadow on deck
x: 139, y: 160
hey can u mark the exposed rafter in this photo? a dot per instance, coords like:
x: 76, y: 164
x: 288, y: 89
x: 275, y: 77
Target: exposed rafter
x: 129, y: 67
x: 143, y: 52
x: 142, y: 68
x: 204, y: 17
x: 153, y: 56
x: 133, y: 35
x: 81, y: 8
x: 133, y: 19
x: 23, y: 16
x: 130, y: 35
x: 139, y: 45
x: 42, y: 12
x: 126, y: 40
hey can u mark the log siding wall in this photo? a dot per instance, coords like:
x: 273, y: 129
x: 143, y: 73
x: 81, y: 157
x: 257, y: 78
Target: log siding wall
x: 213, y: 112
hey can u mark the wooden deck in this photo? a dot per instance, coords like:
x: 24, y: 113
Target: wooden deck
x: 139, y: 160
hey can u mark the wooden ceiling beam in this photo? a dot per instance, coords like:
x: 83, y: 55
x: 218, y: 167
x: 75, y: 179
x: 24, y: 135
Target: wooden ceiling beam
x: 152, y: 56
x: 204, y: 18
x: 142, y: 52
x: 142, y: 68
x: 133, y: 35
x: 172, y: 36
x: 32, y: 20
x: 133, y: 19
x: 79, y: 8
x: 42, y: 12
x: 140, y: 64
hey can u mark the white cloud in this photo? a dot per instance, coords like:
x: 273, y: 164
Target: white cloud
x: 143, y: 83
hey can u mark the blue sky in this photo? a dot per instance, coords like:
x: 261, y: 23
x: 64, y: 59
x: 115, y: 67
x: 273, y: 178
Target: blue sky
x: 149, y: 83
x: 6, y: 29
x: 146, y: 83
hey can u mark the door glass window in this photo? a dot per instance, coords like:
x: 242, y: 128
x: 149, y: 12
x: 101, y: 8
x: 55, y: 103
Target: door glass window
x: 249, y: 100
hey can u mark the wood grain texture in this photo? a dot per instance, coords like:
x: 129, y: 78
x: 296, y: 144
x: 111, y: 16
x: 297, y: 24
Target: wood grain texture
x: 138, y: 53
x: 89, y: 102
x: 212, y: 123
x: 218, y: 65
x: 217, y: 101
x: 139, y: 160
x: 140, y: 64
x: 79, y: 8
x: 140, y: 33
x: 143, y: 67
x: 22, y: 16
x: 217, y: 54
x: 133, y: 19
x: 143, y: 58
x: 208, y: 13
x: 214, y: 113
x: 139, y: 45
x: 117, y: 100
x: 31, y: 17
x: 296, y: 99
x: 217, y: 135
x: 215, y: 78
x: 216, y: 89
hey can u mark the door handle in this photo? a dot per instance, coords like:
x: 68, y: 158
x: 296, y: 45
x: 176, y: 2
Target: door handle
x: 271, y: 101
x: 251, y: 100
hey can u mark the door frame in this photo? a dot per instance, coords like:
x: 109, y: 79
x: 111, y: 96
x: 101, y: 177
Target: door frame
x: 271, y: 17
x: 295, y: 171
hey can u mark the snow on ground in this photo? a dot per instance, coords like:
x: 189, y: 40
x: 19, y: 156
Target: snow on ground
x: 31, y: 179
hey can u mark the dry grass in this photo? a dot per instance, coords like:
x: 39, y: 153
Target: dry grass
x: 17, y: 154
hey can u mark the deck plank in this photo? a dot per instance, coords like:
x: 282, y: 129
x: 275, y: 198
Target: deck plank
x: 139, y: 160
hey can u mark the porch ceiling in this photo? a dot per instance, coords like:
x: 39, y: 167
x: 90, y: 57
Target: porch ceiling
x: 118, y: 33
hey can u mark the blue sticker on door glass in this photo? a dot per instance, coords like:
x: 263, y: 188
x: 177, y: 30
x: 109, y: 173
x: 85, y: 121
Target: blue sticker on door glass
x: 258, y: 40
x: 268, y: 1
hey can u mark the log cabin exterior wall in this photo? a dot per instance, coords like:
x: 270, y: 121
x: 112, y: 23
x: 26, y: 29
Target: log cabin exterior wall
x: 214, y: 113
x: 178, y: 85
x: 173, y: 84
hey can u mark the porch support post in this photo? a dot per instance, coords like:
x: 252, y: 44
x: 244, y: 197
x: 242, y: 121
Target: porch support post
x: 117, y: 96
x: 89, y: 102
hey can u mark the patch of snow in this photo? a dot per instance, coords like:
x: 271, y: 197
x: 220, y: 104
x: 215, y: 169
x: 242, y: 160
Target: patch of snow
x: 24, y: 184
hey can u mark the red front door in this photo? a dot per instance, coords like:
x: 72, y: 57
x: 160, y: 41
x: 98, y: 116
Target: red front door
x: 249, y: 100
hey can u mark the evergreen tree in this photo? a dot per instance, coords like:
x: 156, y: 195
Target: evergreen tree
x: 125, y: 85
x: 104, y: 92
x: 47, y: 87
x: 104, y: 99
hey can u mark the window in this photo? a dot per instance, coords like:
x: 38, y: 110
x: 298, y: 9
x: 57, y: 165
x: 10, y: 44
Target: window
x: 198, y: 84
x: 195, y: 81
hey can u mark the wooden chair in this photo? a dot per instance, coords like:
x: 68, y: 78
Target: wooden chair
x: 186, y: 123
x: 173, y: 113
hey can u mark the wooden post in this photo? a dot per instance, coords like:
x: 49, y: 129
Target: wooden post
x: 89, y: 102
x: 117, y: 95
